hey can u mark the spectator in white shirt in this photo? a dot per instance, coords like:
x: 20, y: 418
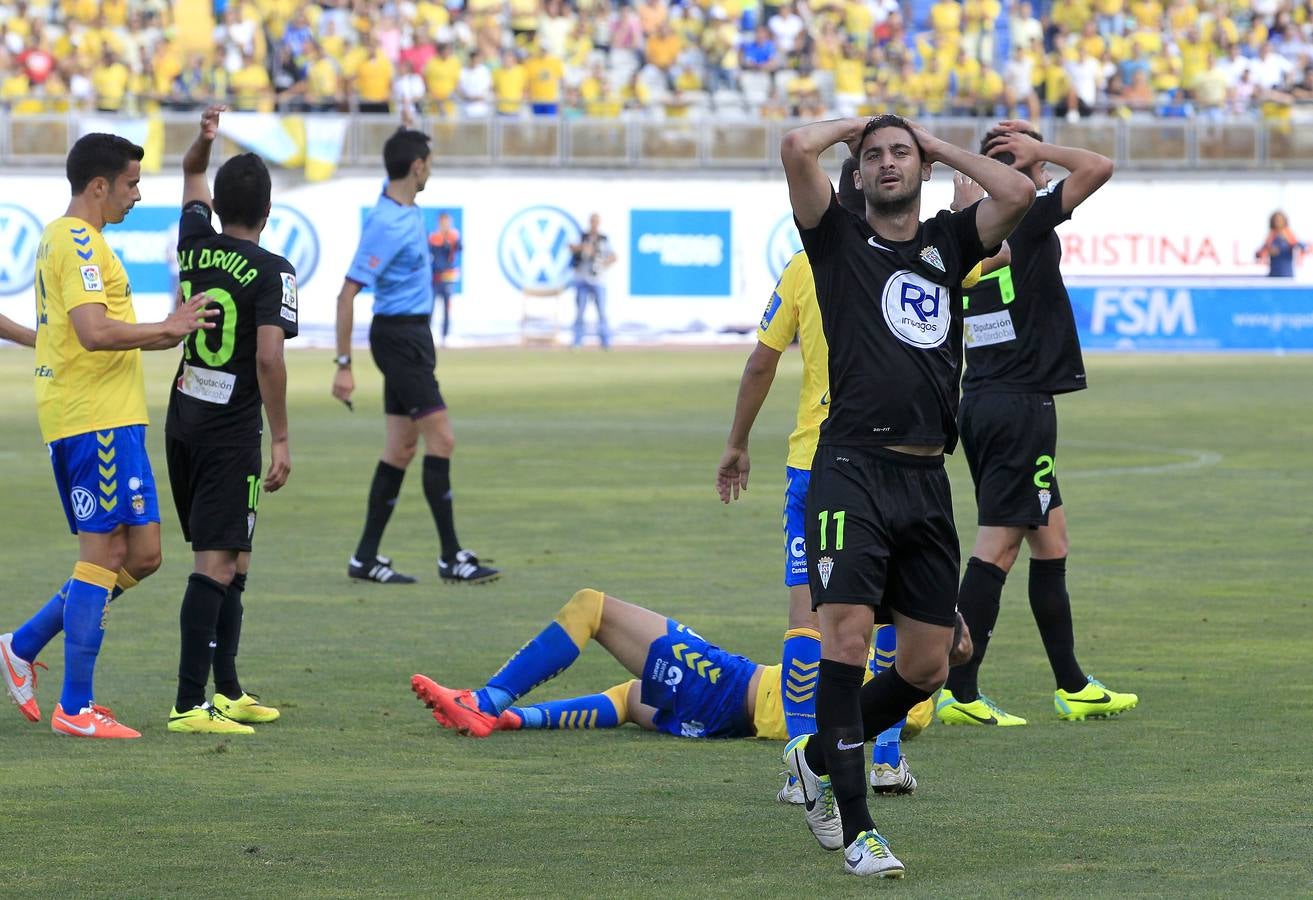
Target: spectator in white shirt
x: 785, y: 26
x: 1019, y: 85
x: 475, y: 87
x: 1023, y: 27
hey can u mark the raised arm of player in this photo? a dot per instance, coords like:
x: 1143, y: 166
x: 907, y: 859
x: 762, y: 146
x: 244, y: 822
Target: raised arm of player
x: 1088, y: 170
x: 810, y: 188
x: 965, y: 193
x: 1010, y: 192
x: 196, y: 162
x: 344, y: 383
x: 19, y: 334
x: 758, y: 375
x: 97, y: 331
x: 271, y: 372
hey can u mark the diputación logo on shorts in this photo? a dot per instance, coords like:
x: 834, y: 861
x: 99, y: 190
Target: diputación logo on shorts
x: 20, y: 236
x: 917, y: 311
x: 534, y: 248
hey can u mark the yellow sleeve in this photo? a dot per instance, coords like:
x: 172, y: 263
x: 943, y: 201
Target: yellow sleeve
x: 779, y: 323
x: 973, y: 276
x: 78, y: 264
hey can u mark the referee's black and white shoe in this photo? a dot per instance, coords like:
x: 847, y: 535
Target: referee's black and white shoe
x: 378, y: 570
x: 466, y: 569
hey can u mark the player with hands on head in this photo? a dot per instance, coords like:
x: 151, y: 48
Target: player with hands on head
x: 214, y: 427
x: 880, y: 530
x: 91, y: 404
x: 1021, y: 350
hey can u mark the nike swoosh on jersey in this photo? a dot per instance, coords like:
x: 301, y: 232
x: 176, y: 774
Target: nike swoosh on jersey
x: 843, y: 746
x: 19, y: 680
x: 877, y: 245
x: 984, y: 721
x: 89, y: 730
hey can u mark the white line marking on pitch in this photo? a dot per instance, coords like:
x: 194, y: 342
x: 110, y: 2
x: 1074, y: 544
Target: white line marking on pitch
x: 1198, y: 459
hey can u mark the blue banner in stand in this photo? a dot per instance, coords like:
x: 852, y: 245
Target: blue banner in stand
x: 679, y: 253
x: 1270, y: 315
x: 430, y: 226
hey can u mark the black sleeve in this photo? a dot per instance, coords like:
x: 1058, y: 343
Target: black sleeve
x: 962, y: 226
x: 276, y: 303
x: 194, y: 223
x: 1046, y: 213
x: 824, y: 239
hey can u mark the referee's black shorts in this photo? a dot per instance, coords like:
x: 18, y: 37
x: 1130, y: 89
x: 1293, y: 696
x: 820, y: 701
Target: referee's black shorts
x: 216, y: 491
x: 880, y: 533
x: 1011, y: 445
x: 402, y: 347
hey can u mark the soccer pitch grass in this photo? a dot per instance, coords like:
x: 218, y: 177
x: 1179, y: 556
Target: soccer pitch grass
x: 1189, y: 485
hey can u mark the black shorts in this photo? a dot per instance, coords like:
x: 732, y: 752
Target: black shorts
x: 402, y: 347
x: 216, y: 491
x: 880, y: 532
x: 1011, y: 444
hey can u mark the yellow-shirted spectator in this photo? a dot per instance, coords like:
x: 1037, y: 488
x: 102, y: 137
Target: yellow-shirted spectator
x: 849, y: 81
x: 663, y: 47
x: 524, y: 19
x: 84, y: 11
x: 1149, y: 40
x: 1090, y: 42
x: 1195, y: 58
x: 1120, y: 46
x: 946, y: 18
x: 323, y: 80
x: 1182, y: 15
x: 54, y: 93
x: 509, y: 82
x: 373, y: 79
x: 858, y: 22
x: 165, y: 66
x: 334, y: 46
x: 934, y: 86
x: 434, y: 15
x: 141, y: 87
x: 1257, y: 35
x: 1166, y: 73
x: 250, y: 87
x: 1219, y: 32
x: 543, y: 73
x: 989, y: 91
x: 1071, y: 14
x: 688, y: 79
x: 115, y: 12
x: 636, y: 93
x: 109, y: 80
x: 578, y: 46
x: 14, y: 88
x: 441, y: 77
x: 193, y: 24
x: 1108, y: 9
x: 1056, y: 83
x: 1147, y: 13
x: 906, y: 91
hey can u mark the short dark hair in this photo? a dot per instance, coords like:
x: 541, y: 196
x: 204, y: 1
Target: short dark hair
x: 888, y: 120
x: 402, y: 149
x: 242, y: 190
x: 99, y: 155
x: 850, y: 197
x: 1003, y: 156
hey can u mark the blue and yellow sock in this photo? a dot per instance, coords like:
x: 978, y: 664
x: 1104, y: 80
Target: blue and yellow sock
x: 604, y: 710
x: 886, y: 749
x: 124, y: 582
x: 84, y: 630
x: 801, y: 661
x: 547, y: 655
x: 36, y: 632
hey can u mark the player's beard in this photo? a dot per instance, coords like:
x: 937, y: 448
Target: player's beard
x: 892, y: 205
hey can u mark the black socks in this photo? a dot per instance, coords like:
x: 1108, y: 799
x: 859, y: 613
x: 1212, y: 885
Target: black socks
x: 200, y: 613
x: 383, y: 491
x: 437, y: 491
x: 1052, y: 610
x: 229, y: 635
x: 978, y: 601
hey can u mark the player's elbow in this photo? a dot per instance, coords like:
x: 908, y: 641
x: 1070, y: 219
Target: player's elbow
x: 1016, y: 194
x: 794, y: 148
x: 1101, y: 170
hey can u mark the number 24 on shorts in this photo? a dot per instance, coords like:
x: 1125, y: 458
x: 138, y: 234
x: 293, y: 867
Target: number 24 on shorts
x: 824, y: 517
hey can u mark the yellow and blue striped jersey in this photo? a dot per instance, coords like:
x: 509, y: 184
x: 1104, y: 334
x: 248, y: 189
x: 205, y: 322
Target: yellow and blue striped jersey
x: 77, y: 390
x: 793, y: 310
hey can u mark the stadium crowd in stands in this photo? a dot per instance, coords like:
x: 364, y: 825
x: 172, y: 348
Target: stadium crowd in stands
x: 654, y: 58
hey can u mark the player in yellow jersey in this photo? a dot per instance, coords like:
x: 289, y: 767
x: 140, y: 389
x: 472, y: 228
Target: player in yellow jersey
x: 683, y: 685
x: 91, y: 402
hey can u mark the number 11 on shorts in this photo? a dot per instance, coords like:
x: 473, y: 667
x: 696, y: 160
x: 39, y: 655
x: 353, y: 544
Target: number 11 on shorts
x: 838, y: 528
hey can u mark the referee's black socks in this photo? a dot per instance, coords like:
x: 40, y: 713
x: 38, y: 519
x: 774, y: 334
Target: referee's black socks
x: 383, y: 491
x: 978, y: 602
x: 437, y: 491
x: 200, y: 614
x: 1052, y: 609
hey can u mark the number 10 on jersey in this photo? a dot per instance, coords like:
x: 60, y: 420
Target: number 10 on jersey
x: 824, y: 517
x: 197, y: 342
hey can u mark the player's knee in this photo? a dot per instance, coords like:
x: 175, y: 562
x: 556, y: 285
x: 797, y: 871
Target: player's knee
x: 143, y: 563
x: 399, y: 455
x: 851, y: 647
x: 927, y: 672
x: 581, y: 617
x: 442, y: 444
x: 620, y: 697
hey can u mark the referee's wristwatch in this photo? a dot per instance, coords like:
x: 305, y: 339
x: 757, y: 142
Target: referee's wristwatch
x: 343, y: 361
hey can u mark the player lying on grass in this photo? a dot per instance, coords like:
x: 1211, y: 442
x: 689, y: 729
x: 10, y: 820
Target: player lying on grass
x: 685, y: 685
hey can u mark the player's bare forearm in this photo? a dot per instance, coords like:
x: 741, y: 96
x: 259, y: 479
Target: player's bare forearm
x: 97, y: 331
x: 271, y: 373
x: 1088, y: 170
x: 196, y: 161
x: 346, y: 315
x: 754, y: 386
x: 1010, y: 192
x: 809, y: 187
x: 19, y: 334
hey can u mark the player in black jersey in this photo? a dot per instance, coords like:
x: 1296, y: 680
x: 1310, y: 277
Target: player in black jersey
x: 213, y: 428
x: 1021, y: 350
x: 880, y: 527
